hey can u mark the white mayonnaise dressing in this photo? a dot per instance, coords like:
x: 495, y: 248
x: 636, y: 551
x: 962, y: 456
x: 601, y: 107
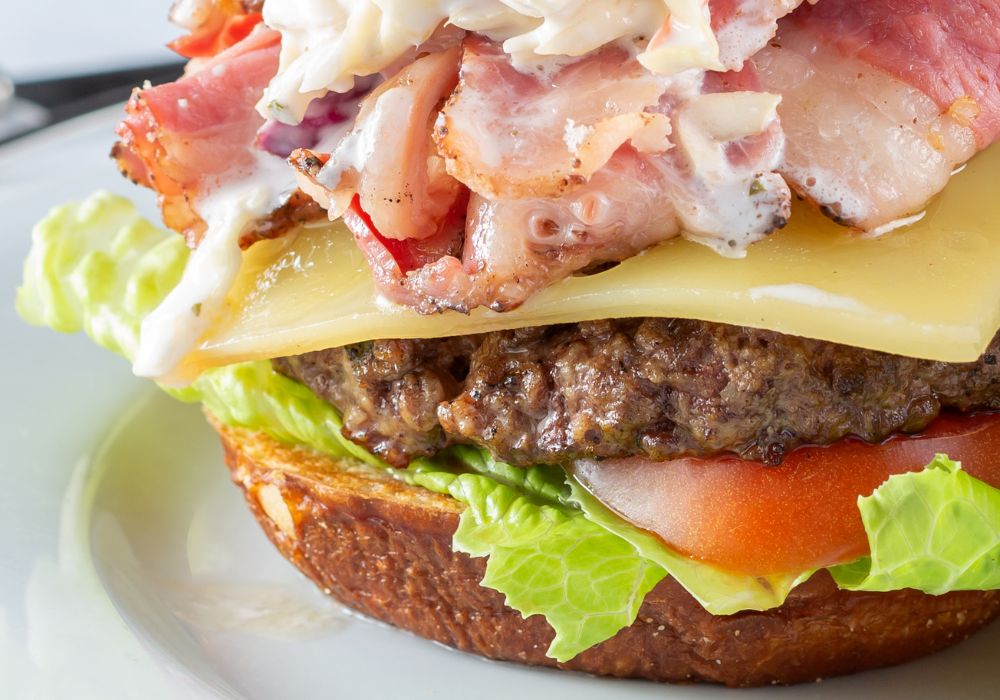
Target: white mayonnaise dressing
x: 357, y: 147
x: 732, y: 207
x: 575, y: 135
x: 327, y: 43
x: 173, y: 329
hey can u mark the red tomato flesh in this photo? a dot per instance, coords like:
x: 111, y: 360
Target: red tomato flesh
x: 748, y: 517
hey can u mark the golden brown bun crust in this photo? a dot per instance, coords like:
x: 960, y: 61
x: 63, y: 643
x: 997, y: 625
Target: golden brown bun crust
x: 384, y: 549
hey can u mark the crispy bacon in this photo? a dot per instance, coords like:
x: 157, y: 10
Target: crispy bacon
x: 549, y: 133
x: 947, y: 49
x: 517, y: 247
x: 883, y: 100
x: 499, y: 268
x: 561, y: 181
x: 199, y: 125
x: 508, y: 134
x: 389, y: 159
x: 180, y: 137
x: 396, y: 259
x: 184, y: 138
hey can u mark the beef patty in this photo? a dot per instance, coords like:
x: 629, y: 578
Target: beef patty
x: 656, y: 387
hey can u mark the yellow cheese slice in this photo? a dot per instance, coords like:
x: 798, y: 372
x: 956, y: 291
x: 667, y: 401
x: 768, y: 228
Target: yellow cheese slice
x: 931, y: 290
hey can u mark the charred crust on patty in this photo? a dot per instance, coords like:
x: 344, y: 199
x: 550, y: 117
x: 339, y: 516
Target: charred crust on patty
x: 660, y: 388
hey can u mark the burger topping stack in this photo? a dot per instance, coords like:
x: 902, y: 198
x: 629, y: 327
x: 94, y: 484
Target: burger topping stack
x: 668, y: 290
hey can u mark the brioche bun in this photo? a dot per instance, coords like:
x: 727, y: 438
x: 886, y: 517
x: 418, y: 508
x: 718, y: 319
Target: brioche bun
x: 384, y: 549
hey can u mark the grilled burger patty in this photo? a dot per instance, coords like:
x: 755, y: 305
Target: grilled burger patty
x: 662, y: 388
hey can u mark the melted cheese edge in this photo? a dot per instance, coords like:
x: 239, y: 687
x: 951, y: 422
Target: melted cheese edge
x: 930, y: 290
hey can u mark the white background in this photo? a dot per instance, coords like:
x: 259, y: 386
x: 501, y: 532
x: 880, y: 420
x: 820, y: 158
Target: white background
x: 51, y: 38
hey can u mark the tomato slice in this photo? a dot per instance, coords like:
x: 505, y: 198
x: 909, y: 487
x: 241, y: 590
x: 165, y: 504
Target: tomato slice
x: 748, y: 517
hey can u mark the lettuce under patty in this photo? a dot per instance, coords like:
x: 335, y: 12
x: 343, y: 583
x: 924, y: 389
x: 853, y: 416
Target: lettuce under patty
x: 552, y: 548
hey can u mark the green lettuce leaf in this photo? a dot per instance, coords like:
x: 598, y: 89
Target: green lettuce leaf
x: 252, y: 395
x: 545, y: 555
x: 720, y: 592
x: 936, y: 531
x: 99, y: 267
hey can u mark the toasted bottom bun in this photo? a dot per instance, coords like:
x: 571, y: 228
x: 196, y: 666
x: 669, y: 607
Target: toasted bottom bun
x: 384, y: 549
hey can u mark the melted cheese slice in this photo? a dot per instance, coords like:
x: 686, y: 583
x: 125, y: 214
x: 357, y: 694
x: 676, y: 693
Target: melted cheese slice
x: 931, y: 290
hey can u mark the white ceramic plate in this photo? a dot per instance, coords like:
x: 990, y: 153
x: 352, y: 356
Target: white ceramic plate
x: 130, y: 568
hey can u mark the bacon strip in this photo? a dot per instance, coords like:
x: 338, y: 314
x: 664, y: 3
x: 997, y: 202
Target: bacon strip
x: 947, y: 49
x: 389, y: 159
x: 883, y: 100
x: 570, y: 168
x: 186, y: 137
x: 546, y: 203
x: 517, y: 247
x: 508, y: 134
